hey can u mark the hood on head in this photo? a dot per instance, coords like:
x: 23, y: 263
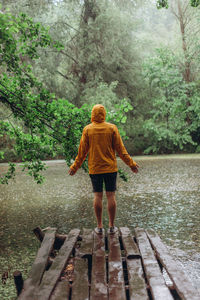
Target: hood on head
x: 98, y: 113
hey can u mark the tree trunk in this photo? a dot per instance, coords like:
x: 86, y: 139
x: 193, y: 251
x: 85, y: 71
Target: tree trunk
x: 187, y: 71
x: 187, y: 62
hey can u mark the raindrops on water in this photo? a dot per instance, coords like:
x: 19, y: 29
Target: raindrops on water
x: 164, y: 195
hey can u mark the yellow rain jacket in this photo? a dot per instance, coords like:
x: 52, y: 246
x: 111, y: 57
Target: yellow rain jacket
x: 101, y: 139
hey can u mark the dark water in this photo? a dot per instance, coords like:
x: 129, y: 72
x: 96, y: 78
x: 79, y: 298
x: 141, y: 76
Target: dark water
x: 164, y: 195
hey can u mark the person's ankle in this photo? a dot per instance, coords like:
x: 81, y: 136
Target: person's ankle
x: 112, y: 229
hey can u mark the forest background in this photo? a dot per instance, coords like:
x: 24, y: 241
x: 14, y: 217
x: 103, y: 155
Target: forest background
x: 60, y: 57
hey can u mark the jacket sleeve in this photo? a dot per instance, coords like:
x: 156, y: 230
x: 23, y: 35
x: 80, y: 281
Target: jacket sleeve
x: 121, y: 150
x: 82, y: 151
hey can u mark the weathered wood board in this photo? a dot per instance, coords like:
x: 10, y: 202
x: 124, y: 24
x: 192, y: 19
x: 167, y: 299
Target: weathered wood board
x: 98, y: 283
x: 62, y: 290
x: 86, y: 248
x: 80, y: 287
x: 154, y: 276
x: 39, y: 266
x: 130, y: 246
x: 137, y: 285
x: 104, y: 266
x: 116, y: 287
x: 51, y: 278
x: 175, y: 271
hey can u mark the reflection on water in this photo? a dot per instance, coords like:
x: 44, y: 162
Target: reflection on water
x: 164, y: 195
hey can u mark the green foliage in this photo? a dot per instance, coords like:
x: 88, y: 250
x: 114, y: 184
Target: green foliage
x: 88, y: 70
x: 1, y: 154
x: 118, y: 113
x: 49, y: 125
x: 102, y: 93
x: 194, y: 3
x: 90, y: 64
x: 175, y: 105
x: 123, y: 175
x: 94, y: 62
x: 9, y: 175
x: 162, y: 4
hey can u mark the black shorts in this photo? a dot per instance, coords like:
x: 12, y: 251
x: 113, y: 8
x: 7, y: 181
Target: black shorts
x: 108, y: 178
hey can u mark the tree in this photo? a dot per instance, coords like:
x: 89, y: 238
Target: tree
x: 94, y: 60
x: 101, y: 53
x: 48, y: 125
x: 168, y: 129
x: 188, y: 22
x: 173, y: 78
x: 89, y: 31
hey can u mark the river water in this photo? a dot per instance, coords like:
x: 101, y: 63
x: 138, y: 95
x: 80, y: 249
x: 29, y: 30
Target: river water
x: 164, y: 195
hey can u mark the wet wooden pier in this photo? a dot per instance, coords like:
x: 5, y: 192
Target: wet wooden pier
x: 121, y: 266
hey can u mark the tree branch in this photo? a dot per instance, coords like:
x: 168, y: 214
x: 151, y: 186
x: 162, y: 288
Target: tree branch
x: 65, y: 76
x: 69, y: 56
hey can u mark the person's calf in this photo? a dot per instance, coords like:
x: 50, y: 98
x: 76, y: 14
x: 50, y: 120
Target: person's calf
x: 111, y: 207
x: 98, y: 208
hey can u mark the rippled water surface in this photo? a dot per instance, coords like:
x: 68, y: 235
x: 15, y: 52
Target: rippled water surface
x: 164, y: 195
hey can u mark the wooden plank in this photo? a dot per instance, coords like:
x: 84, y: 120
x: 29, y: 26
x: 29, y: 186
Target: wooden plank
x: 62, y: 290
x: 130, y: 246
x: 174, y: 269
x: 59, y: 240
x: 86, y: 248
x: 41, y: 260
x: 82, y: 271
x: 153, y: 274
x: 137, y: 286
x: 80, y: 287
x: 98, y: 283
x: 116, y: 287
x: 51, y: 277
x: 39, y: 265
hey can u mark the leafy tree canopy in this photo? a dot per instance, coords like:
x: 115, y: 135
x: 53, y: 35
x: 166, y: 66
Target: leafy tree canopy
x: 44, y: 125
x: 176, y: 105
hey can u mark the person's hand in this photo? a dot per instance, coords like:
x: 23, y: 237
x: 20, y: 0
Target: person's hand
x: 71, y: 172
x: 135, y: 168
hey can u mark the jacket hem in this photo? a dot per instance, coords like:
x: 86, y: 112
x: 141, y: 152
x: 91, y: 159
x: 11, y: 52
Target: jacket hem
x: 103, y: 171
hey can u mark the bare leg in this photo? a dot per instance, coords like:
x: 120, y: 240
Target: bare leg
x: 98, y: 208
x: 111, y: 207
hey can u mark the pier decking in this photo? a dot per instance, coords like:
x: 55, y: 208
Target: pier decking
x: 84, y: 265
